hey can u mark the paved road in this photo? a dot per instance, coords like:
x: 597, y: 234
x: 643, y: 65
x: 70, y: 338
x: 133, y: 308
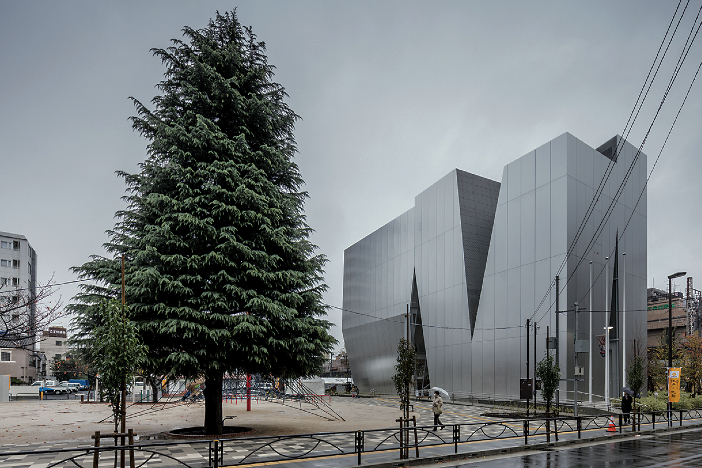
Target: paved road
x: 665, y: 450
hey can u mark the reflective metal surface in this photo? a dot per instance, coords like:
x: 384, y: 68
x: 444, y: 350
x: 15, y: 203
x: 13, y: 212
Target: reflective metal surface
x: 484, y: 255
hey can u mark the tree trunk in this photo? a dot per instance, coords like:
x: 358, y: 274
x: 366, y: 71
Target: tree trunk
x: 154, y: 392
x: 213, y: 402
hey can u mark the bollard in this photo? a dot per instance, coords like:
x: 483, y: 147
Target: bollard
x: 580, y: 425
x: 681, y: 416
x: 620, y: 423
x: 81, y: 398
x: 526, y: 431
x: 216, y: 453
x: 359, y: 444
x: 96, y: 455
x: 456, y: 437
x: 130, y: 439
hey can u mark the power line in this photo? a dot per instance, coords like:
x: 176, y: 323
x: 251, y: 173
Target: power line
x: 610, y: 165
x: 681, y: 59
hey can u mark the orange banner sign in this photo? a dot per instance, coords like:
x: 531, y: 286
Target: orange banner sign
x: 674, y: 384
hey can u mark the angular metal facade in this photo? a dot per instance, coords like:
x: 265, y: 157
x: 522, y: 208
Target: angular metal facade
x: 485, y: 254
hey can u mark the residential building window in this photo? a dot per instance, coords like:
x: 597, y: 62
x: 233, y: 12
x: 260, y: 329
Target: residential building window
x: 5, y: 263
x: 15, y: 281
x: 15, y: 264
x: 4, y: 281
x: 15, y: 245
x: 6, y: 245
x: 5, y: 356
x: 57, y: 357
x: 59, y: 343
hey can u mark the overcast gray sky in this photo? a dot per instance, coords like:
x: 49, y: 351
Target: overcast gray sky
x: 393, y: 95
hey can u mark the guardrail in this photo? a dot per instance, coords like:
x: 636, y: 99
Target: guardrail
x: 248, y: 450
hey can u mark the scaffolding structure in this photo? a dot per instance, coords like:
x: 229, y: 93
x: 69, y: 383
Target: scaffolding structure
x: 693, y: 306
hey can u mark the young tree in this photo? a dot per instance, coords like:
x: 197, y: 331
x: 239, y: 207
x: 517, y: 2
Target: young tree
x: 549, y: 373
x: 220, y: 270
x: 118, y: 353
x: 87, y: 305
x: 658, y: 360
x: 404, y: 373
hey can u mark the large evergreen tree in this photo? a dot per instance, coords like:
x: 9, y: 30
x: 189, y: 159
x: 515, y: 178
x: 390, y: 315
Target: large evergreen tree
x: 221, y: 274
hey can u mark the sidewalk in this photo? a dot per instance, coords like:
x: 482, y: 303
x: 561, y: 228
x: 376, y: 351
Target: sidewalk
x: 273, y: 420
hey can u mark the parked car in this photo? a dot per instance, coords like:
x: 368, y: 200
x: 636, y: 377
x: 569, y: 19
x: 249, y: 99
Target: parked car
x: 69, y: 387
x: 49, y: 387
x: 83, y: 384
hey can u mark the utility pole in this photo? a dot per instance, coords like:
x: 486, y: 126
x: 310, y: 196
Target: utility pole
x: 624, y: 325
x: 575, y: 365
x: 123, y: 427
x: 590, y: 352
x: 535, y: 361
x: 406, y: 408
x: 527, y: 363
x: 606, y: 379
x: 558, y: 329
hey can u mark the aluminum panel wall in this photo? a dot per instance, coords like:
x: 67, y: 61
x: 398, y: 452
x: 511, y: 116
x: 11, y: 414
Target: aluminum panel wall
x: 485, y: 255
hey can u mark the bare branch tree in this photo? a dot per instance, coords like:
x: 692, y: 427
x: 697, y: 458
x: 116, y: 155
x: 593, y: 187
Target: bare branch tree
x: 24, y: 313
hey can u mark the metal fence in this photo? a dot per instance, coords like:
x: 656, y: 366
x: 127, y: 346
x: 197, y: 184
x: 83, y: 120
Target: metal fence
x: 405, y: 441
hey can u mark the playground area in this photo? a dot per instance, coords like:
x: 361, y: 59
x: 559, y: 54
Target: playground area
x: 34, y: 421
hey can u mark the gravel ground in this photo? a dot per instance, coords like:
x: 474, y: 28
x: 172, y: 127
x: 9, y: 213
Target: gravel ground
x: 32, y: 421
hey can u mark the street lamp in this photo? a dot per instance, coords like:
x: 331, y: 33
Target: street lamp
x: 607, y: 376
x: 670, y: 330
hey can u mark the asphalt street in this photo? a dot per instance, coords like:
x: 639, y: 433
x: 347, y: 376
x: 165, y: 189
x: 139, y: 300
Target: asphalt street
x: 665, y: 450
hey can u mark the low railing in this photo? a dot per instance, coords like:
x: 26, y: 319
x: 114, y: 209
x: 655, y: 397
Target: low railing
x: 405, y: 440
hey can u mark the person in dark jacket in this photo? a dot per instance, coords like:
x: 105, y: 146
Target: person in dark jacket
x: 626, y: 407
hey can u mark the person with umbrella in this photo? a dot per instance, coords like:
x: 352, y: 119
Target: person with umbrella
x: 436, y: 408
x: 626, y: 405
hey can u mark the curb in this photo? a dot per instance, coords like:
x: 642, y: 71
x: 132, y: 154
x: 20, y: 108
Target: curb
x: 470, y: 456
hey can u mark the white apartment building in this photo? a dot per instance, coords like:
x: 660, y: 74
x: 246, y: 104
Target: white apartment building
x: 18, y: 267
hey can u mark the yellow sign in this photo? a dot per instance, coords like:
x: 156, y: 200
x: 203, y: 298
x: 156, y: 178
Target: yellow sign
x: 674, y: 384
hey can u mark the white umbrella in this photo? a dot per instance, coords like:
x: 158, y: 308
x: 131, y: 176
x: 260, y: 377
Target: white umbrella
x: 440, y: 390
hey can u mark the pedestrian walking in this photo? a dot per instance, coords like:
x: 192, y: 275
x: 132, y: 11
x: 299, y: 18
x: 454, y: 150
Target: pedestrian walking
x: 626, y: 407
x: 436, y: 408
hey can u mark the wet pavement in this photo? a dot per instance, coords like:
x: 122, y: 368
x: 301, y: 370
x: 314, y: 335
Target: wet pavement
x: 479, y: 445
x: 665, y: 450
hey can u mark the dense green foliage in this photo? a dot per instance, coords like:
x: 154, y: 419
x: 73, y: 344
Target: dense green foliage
x: 220, y: 272
x: 118, y: 352
x: 549, y: 373
x: 658, y: 401
x: 404, y: 373
x: 87, y: 304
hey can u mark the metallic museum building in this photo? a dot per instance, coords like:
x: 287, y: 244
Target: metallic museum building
x: 474, y: 259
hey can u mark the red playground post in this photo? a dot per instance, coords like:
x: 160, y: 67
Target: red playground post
x: 248, y: 392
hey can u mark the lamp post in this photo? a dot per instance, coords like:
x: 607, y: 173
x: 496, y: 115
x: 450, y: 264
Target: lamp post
x: 589, y: 358
x: 624, y: 325
x: 670, y: 333
x: 607, y: 327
